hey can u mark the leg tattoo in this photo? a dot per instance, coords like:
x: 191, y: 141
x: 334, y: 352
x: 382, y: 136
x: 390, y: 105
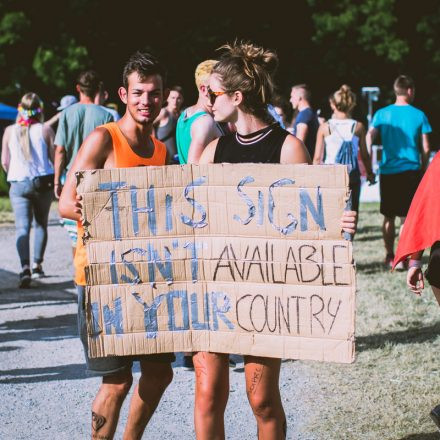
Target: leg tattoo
x: 256, y: 378
x: 97, y: 421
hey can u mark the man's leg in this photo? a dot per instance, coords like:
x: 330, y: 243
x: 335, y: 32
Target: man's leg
x: 388, y: 234
x: 155, y: 377
x: 107, y: 404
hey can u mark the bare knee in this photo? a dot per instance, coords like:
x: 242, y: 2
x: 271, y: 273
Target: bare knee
x: 117, y: 386
x: 264, y: 408
x: 159, y: 377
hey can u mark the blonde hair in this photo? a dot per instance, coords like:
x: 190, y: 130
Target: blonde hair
x: 344, y: 99
x: 249, y: 69
x: 30, y: 107
x: 203, y: 71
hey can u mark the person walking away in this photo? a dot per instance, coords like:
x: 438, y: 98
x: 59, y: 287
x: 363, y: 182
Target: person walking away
x: 340, y: 129
x: 76, y: 122
x: 27, y: 157
x: 306, y: 122
x: 404, y: 132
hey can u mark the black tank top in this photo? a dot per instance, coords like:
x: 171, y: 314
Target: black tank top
x: 265, y: 148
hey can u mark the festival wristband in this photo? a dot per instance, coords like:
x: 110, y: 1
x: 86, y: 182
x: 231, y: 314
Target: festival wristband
x: 415, y: 263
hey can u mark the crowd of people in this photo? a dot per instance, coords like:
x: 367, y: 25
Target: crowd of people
x: 237, y: 118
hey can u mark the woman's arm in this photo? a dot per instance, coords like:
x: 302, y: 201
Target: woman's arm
x: 319, y: 147
x: 49, y: 137
x: 6, y: 156
x: 294, y: 151
x: 366, y: 159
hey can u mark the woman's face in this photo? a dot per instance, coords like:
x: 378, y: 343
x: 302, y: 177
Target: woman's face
x: 223, y: 108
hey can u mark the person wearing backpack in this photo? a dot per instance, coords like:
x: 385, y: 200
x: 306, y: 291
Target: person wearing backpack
x: 339, y: 140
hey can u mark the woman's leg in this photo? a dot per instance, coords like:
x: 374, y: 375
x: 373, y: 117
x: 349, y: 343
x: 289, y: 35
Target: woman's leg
x: 41, y: 205
x: 21, y: 205
x: 263, y: 391
x: 212, y: 392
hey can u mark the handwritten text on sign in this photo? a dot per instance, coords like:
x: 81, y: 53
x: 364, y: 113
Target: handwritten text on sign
x: 231, y: 258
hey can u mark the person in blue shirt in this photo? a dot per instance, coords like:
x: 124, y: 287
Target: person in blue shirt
x: 306, y: 122
x: 404, y: 131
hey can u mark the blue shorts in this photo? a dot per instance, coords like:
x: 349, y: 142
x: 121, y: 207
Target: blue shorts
x: 111, y: 364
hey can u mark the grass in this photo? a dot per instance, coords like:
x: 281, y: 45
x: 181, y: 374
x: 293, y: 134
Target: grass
x: 388, y: 392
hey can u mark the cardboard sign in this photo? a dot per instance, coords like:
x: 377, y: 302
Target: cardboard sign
x: 231, y: 258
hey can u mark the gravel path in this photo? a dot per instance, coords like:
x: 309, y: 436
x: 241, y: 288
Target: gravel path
x: 44, y: 391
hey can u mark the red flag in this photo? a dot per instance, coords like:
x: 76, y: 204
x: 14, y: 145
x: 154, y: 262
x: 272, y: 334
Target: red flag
x: 422, y: 225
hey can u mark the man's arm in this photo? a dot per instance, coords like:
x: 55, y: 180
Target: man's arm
x: 6, y: 156
x: 203, y: 131
x: 425, y: 150
x: 59, y: 164
x: 301, y: 131
x: 93, y: 154
x: 366, y: 158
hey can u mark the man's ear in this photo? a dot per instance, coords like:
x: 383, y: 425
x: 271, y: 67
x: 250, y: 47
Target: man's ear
x: 122, y: 92
x: 77, y: 88
x: 203, y: 89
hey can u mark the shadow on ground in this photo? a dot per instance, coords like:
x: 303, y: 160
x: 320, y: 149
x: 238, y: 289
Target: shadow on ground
x: 44, y: 374
x: 411, y: 335
x: 39, y: 329
x: 422, y: 436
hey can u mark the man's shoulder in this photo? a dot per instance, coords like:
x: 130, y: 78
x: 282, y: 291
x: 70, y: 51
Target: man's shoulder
x: 305, y: 115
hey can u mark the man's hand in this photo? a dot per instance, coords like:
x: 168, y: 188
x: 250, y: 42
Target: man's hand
x: 57, y: 188
x: 414, y: 280
x: 349, y: 222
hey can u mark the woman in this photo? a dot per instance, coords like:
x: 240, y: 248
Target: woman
x: 240, y: 88
x: 27, y: 157
x: 341, y: 127
x: 166, y: 122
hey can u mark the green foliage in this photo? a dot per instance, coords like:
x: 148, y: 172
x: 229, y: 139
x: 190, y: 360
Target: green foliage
x: 369, y: 25
x: 12, y: 26
x: 55, y: 65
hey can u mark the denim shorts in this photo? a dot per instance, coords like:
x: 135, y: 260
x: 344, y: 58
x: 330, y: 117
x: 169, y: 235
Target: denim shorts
x: 103, y: 366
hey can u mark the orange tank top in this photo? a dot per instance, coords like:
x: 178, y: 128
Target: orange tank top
x: 125, y: 157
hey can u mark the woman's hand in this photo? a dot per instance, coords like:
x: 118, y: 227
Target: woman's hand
x: 414, y: 280
x: 78, y: 208
x: 349, y: 222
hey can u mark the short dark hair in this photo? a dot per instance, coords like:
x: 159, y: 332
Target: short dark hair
x: 402, y: 84
x: 144, y: 64
x: 89, y: 83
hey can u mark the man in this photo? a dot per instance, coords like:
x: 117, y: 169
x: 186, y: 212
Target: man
x: 126, y: 143
x: 76, y: 122
x: 196, y: 127
x: 306, y: 122
x: 404, y: 132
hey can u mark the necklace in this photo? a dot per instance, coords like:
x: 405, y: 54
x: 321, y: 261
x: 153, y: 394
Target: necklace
x: 256, y: 136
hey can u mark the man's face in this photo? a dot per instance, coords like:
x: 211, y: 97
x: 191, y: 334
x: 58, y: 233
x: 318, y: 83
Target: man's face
x: 144, y: 97
x: 175, y: 100
x: 295, y: 98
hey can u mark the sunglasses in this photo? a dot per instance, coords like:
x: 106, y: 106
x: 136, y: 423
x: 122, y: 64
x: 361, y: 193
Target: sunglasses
x: 213, y: 95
